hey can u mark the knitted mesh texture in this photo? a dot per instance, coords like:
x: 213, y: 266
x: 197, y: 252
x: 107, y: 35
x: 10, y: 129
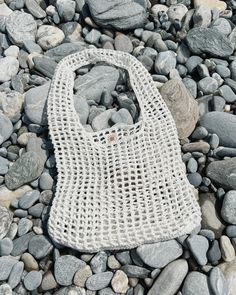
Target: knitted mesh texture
x: 122, y: 186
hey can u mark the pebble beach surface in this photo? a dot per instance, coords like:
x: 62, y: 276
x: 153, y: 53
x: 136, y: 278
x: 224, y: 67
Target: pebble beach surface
x: 189, y: 49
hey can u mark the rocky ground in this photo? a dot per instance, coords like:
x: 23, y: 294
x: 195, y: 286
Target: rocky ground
x: 189, y: 49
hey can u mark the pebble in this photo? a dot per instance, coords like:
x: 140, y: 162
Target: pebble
x: 192, y: 165
x: 208, y: 85
x: 231, y: 231
x: 196, y: 283
x: 195, y: 179
x: 24, y: 226
x: 155, y: 255
x: 123, y: 43
x: 202, y: 17
x: 99, y: 281
x: 29, y: 199
x: 5, y: 289
x: 210, y: 41
x: 35, y: 104
x: 177, y: 12
x: 44, y: 65
x: 5, y: 221
x: 82, y: 275
x: 7, y: 128
x: 6, y: 265
x: 6, y: 246
x: 221, y: 5
x: 227, y: 249
x: 12, y: 50
x: 29, y: 262
x: 4, y: 163
x: 170, y: 279
x: 218, y: 282
x: 40, y: 246
x: 102, y: 120
x: 25, y: 169
x: 93, y: 36
x: 11, y: 103
x: 16, y: 274
x: 122, y: 116
x: 179, y: 101
x: 99, y: 262
x: 209, y: 234
x: 45, y: 181
x: 192, y: 63
x: 32, y: 280
x: 198, y: 245
x: 227, y: 93
x: 135, y: 271
x: 199, y: 133
x: 222, y: 25
x: 48, y: 36
x: 82, y: 108
x: 120, y: 282
x: 214, y: 253
x: 21, y: 26
x: 36, y: 210
x: 9, y: 67
x: 35, y: 9
x: 66, y: 9
x: 164, y: 62
x: 228, y: 210
x: 48, y: 282
x: 65, y: 268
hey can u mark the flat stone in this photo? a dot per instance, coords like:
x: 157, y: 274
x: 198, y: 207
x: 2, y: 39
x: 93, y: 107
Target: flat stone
x: 66, y: 9
x: 196, y: 283
x: 93, y: 37
x: 48, y: 282
x: 229, y: 271
x: 218, y: 282
x: 6, y: 128
x: 118, y: 14
x: 211, y: 219
x: 82, y: 275
x: 45, y: 65
x: 135, y: 271
x: 29, y: 199
x: 40, y: 246
x: 21, y: 26
x: 170, y: 279
x: 102, y: 121
x: 92, y: 84
x: 16, y: 274
x: 122, y: 116
x: 120, y: 282
x: 20, y: 245
x: 35, y: 9
x: 6, y: 265
x: 123, y: 43
x: 49, y: 36
x: 29, y: 262
x: 222, y: 173
x: 32, y: 280
x: 9, y: 67
x: 25, y: 169
x: 183, y: 107
x: 99, y: 281
x: 5, y: 221
x: 222, y: 124
x: 208, y: 85
x: 11, y: 103
x: 164, y: 62
x: 198, y: 246
x: 5, y: 10
x: 4, y: 163
x: 59, y: 52
x: 227, y: 249
x: 228, y: 210
x: 65, y: 268
x: 35, y: 104
x: 12, y: 50
x: 220, y: 5
x: 24, y: 226
x: 6, y: 246
x: 210, y: 41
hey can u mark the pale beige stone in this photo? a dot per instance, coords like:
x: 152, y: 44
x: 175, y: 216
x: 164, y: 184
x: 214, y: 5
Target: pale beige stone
x: 11, y: 103
x: 227, y: 249
x: 157, y: 8
x: 229, y: 270
x: 6, y: 195
x: 221, y: 5
x: 120, y: 282
x: 113, y: 263
x: 82, y: 275
x: 24, y: 138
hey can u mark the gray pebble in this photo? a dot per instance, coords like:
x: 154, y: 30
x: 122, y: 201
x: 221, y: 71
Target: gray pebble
x: 6, y: 128
x: 24, y: 226
x: 208, y: 85
x: 207, y: 233
x: 124, y: 257
x: 6, y: 265
x: 16, y: 274
x: 48, y: 282
x: 199, y: 133
x: 66, y: 9
x: 198, y: 246
x: 165, y: 61
x: 29, y: 199
x: 82, y: 108
x: 4, y: 163
x: 123, y: 43
x: 231, y: 231
x: 122, y: 116
x: 192, y: 165
x: 93, y: 36
x: 228, y: 210
x: 196, y: 283
x: 99, y: 262
x: 45, y: 181
x: 99, y: 281
x: 218, y: 103
x: 222, y: 25
x: 102, y: 120
x: 195, y: 179
x: 217, y: 282
x: 32, y: 280
x: 6, y: 246
x: 135, y: 271
x: 227, y: 93
x: 5, y: 221
x: 214, y: 253
x: 20, y: 245
x: 192, y: 62
x: 223, y: 71
x: 35, y: 9
x: 183, y: 53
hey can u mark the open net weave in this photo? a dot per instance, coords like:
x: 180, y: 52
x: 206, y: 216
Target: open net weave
x: 122, y: 186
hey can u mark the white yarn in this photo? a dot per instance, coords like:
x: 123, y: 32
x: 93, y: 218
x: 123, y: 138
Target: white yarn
x: 123, y: 186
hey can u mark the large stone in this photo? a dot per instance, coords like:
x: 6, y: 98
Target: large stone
x: 9, y: 66
x: 5, y: 221
x: 220, y: 5
x: 21, y: 26
x: 196, y: 283
x: 183, y: 107
x: 210, y: 41
x: 170, y: 279
x: 211, y: 219
x: 25, y: 169
x: 92, y: 84
x: 229, y: 270
x: 228, y: 210
x: 11, y: 103
x: 48, y: 36
x: 222, y: 124
x: 223, y: 173
x: 118, y: 14
x: 35, y: 104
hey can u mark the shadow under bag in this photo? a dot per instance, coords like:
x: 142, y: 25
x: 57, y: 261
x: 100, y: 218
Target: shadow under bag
x: 123, y: 186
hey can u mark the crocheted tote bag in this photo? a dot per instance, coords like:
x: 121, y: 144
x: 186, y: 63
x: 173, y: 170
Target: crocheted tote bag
x: 122, y: 186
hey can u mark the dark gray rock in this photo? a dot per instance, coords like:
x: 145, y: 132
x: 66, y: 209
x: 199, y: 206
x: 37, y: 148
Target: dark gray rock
x: 32, y: 280
x: 6, y: 128
x: 6, y: 265
x: 20, y: 245
x: 40, y: 246
x: 222, y: 25
x: 158, y: 255
x: 99, y: 281
x: 209, y: 234
x: 195, y: 179
x: 59, y: 52
x: 118, y: 14
x: 170, y: 279
x: 65, y: 267
x: 36, y: 210
x: 199, y: 133
x: 44, y: 65
x: 196, y: 283
x: 99, y: 262
x: 25, y: 169
x: 21, y: 26
x: 217, y: 282
x: 35, y: 104
x: 5, y: 221
x: 227, y: 93
x: 164, y: 62
x: 222, y: 173
x: 35, y: 9
x: 210, y: 41
x: 66, y: 9
x: 198, y: 245
x: 135, y: 271
x: 222, y: 124
x: 6, y: 246
x: 192, y: 63
x: 208, y: 85
x: 214, y: 253
x: 228, y: 210
x: 29, y: 199
x: 231, y: 231
x: 16, y: 274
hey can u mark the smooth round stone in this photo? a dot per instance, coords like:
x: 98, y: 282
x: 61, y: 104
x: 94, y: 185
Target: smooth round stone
x: 123, y: 43
x: 48, y: 282
x: 192, y: 62
x: 196, y: 283
x: 177, y: 12
x: 93, y: 36
x: 24, y: 226
x: 11, y: 104
x: 102, y: 120
x: 198, y: 246
x: 48, y: 36
x: 214, y: 253
x: 4, y: 163
x: 228, y: 210
x: 195, y: 179
x: 214, y: 141
x: 99, y: 262
x: 122, y: 116
x: 13, y: 50
x: 135, y: 271
x: 65, y: 268
x: 227, y: 249
x: 20, y: 213
x: 9, y: 67
x: 222, y: 25
x: 199, y: 133
x: 5, y: 221
x: 39, y: 246
x: 6, y: 265
x: 223, y: 71
x: 6, y: 246
x: 165, y: 61
x: 35, y: 9
x: 155, y: 255
x: 217, y: 281
x: 99, y: 281
x: 29, y: 199
x: 82, y: 275
x: 227, y: 93
x: 113, y: 263
x: 29, y: 262
x: 207, y: 233
x: 45, y: 181
x: 66, y: 9
x: 192, y: 165
x: 208, y: 85
x: 231, y: 231
x: 120, y: 282
x: 32, y: 280
x: 16, y: 274
x: 36, y: 210
x: 21, y: 26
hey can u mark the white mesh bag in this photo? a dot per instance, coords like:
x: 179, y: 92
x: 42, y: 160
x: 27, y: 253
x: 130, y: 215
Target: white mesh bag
x: 123, y: 186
